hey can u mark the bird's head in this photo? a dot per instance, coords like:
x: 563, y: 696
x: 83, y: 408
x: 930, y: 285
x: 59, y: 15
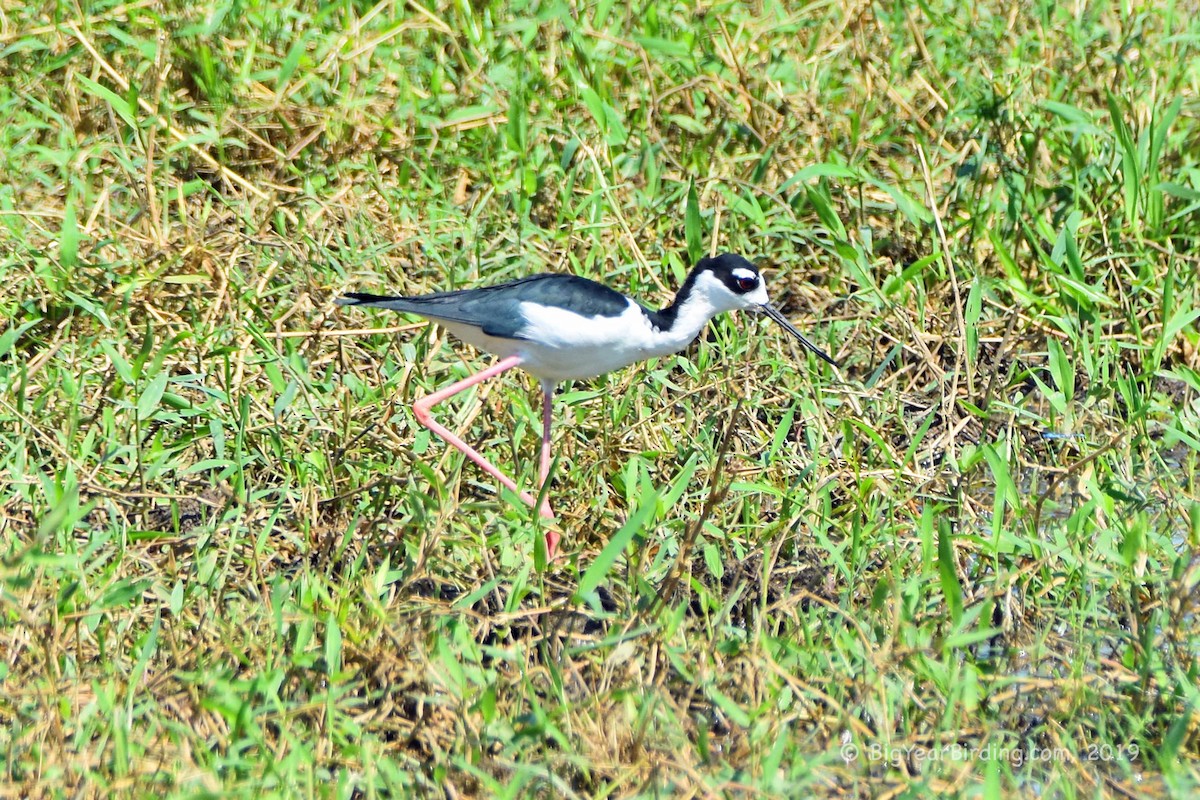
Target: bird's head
x: 728, y: 282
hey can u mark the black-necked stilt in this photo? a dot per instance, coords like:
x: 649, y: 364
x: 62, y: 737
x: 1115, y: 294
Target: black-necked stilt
x: 561, y: 327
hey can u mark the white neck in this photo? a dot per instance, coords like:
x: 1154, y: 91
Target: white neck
x: 701, y: 300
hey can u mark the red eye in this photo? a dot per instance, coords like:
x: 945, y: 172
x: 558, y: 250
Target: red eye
x: 746, y: 284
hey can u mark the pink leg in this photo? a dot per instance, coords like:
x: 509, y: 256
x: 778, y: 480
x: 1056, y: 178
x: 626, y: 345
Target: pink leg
x: 552, y: 536
x: 422, y: 410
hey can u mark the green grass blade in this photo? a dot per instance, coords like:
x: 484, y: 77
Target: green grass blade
x: 693, y: 230
x: 598, y: 572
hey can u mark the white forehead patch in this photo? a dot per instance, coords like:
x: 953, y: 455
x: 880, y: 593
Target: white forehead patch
x: 742, y: 272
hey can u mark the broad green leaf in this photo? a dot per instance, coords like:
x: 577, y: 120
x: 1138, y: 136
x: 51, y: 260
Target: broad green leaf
x: 69, y: 236
x: 149, y: 401
x: 737, y: 715
x: 119, y: 104
x: 333, y: 645
x: 951, y: 588
x: 692, y: 228
x: 598, y: 571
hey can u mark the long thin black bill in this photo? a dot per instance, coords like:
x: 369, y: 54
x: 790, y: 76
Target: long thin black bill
x: 777, y: 315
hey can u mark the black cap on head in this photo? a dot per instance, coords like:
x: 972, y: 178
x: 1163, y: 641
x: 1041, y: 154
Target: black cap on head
x: 738, y: 274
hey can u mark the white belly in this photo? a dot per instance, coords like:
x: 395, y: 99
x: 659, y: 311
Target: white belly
x: 559, y: 345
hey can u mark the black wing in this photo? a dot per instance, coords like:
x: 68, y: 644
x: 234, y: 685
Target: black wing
x: 497, y: 309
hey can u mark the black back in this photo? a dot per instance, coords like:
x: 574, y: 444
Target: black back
x: 497, y: 309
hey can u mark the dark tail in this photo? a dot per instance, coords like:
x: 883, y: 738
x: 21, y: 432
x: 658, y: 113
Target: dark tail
x: 363, y: 298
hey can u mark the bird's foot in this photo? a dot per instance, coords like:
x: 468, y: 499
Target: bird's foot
x: 553, y: 537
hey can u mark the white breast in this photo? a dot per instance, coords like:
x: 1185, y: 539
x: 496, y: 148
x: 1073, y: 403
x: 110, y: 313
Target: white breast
x: 558, y: 344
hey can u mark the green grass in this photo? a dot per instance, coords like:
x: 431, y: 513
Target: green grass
x: 232, y: 564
